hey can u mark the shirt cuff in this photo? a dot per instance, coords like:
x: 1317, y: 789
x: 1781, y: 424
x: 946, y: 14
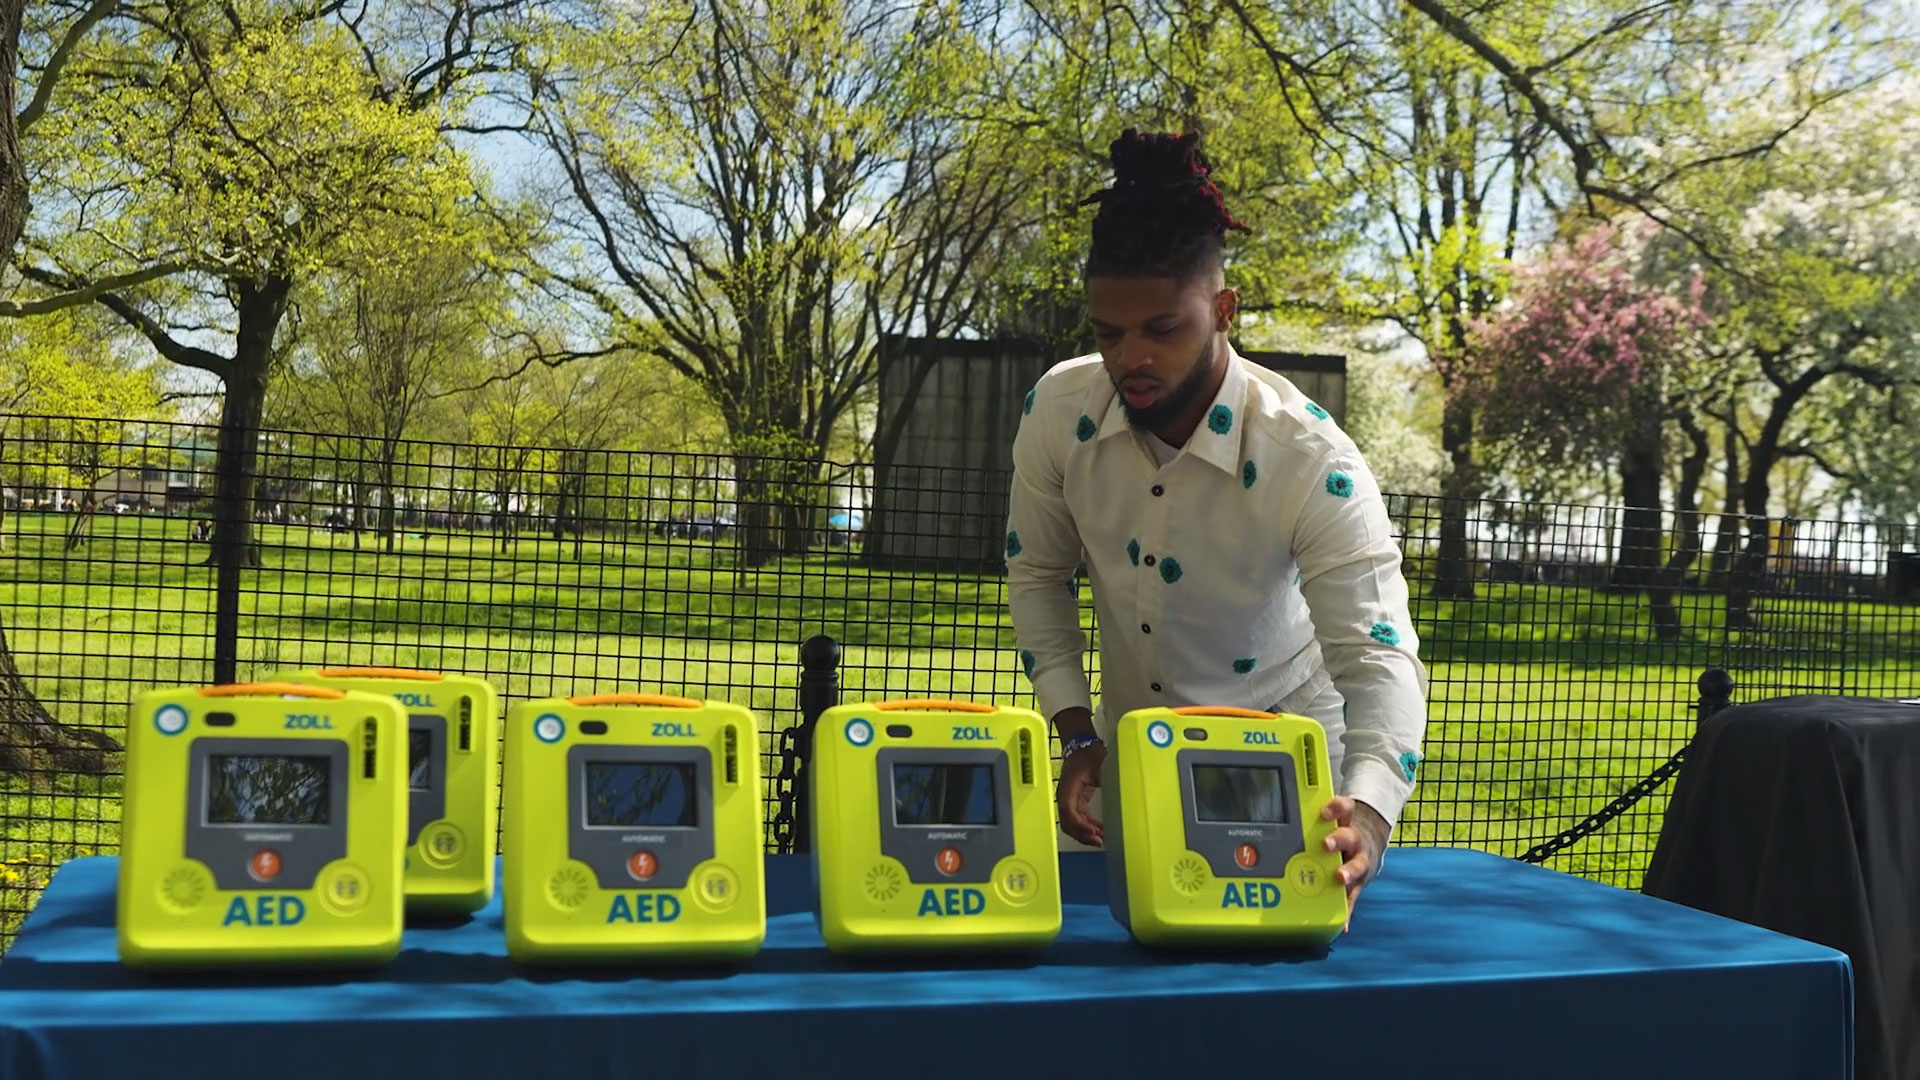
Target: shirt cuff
x: 1056, y: 688
x: 1380, y: 786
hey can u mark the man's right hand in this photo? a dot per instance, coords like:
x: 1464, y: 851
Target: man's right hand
x: 1079, y: 779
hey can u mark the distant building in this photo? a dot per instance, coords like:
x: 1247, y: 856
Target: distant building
x: 948, y: 410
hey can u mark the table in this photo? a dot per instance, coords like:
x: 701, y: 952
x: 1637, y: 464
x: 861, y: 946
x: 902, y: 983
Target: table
x: 1802, y: 814
x: 1459, y: 963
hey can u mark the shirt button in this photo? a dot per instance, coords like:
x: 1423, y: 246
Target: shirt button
x: 1148, y: 560
x: 1146, y: 628
x: 1156, y: 688
x: 1159, y: 490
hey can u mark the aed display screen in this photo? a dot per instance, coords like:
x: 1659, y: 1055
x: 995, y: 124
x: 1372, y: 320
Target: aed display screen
x: 1239, y: 793
x: 625, y: 794
x: 419, y: 759
x: 943, y: 795
x: 259, y: 790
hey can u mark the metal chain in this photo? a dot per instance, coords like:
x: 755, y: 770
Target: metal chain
x: 783, y: 792
x: 1647, y: 785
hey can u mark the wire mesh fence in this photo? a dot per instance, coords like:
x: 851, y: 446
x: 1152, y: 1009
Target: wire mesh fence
x: 1565, y: 643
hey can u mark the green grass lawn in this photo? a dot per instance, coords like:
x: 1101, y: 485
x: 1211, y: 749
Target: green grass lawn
x: 1546, y: 701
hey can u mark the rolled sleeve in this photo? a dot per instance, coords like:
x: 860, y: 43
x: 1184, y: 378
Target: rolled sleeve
x: 1043, y: 555
x: 1357, y: 597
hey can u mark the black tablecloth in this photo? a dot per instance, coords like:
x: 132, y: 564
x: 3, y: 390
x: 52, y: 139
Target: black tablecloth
x: 1802, y: 815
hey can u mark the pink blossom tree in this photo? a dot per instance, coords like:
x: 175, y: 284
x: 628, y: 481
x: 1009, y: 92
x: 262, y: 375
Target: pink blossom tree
x: 1587, y: 361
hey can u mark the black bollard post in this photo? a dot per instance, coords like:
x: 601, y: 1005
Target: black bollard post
x: 819, y: 691
x: 1716, y: 693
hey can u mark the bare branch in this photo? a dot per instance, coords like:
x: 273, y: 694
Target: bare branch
x: 50, y: 75
x: 79, y: 294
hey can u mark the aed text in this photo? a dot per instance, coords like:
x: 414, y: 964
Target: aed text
x: 266, y: 910
x: 668, y: 729
x: 963, y: 733
x: 1251, y: 894
x: 644, y: 908
x: 952, y: 901
x: 308, y: 721
x: 1260, y: 738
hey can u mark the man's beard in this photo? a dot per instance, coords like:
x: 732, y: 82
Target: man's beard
x: 1174, y: 400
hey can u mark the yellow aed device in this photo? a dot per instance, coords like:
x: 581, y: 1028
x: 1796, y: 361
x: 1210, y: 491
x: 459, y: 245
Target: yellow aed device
x: 631, y: 831
x: 1212, y: 828
x: 262, y: 823
x: 453, y: 787
x: 932, y: 827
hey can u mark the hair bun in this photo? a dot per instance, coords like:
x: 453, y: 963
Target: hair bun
x: 1157, y: 160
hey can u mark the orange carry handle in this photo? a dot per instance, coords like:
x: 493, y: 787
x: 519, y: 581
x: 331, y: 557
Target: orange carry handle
x: 934, y: 703
x: 270, y: 689
x: 1224, y: 710
x: 636, y: 699
x: 379, y: 673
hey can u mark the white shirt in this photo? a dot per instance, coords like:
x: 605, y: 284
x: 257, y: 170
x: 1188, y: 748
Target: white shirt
x: 1216, y: 567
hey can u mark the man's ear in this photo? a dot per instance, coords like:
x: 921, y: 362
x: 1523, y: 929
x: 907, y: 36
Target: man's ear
x: 1226, y: 305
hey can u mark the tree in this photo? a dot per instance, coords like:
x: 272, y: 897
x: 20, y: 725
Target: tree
x: 1585, y: 361
x: 384, y: 342
x: 65, y: 368
x: 1460, y: 137
x: 787, y: 184
x: 1819, y: 294
x: 263, y: 152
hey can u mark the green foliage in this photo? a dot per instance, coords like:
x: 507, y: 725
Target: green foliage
x: 239, y: 140
x: 69, y: 363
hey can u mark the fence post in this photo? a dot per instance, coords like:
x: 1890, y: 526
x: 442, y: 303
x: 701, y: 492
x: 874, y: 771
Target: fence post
x: 819, y: 691
x: 1716, y: 693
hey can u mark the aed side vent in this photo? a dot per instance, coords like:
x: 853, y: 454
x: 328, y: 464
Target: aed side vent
x: 371, y: 743
x: 1026, y: 756
x: 730, y: 741
x: 466, y: 723
x: 1311, y: 760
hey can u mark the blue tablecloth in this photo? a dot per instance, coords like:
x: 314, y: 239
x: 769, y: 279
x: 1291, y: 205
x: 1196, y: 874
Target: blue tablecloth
x: 1459, y: 963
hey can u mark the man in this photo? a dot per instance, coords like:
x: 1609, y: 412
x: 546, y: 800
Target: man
x: 1239, y: 550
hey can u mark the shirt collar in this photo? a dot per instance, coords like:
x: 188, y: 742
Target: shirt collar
x: 1217, y: 440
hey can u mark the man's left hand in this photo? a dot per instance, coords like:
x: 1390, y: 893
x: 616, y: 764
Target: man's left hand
x: 1361, y: 840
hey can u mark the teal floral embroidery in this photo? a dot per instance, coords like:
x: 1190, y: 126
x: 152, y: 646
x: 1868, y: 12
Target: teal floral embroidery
x: 1409, y: 763
x: 1169, y: 570
x: 1026, y: 662
x: 1026, y: 407
x: 1243, y: 666
x: 1248, y: 474
x: 1085, y: 429
x: 1318, y: 412
x: 1220, y: 420
x: 1296, y: 577
x: 1340, y: 484
x: 1133, y: 552
x: 1013, y: 544
x: 1384, y: 634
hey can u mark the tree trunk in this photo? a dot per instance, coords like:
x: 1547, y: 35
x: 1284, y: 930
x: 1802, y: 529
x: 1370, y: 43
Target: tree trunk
x: 1453, y: 579
x: 33, y: 743
x: 77, y: 535
x: 1687, y: 540
x: 1750, y: 567
x: 1726, y: 534
x: 1640, y: 467
x: 754, y: 518
x: 13, y: 171
x: 388, y: 511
